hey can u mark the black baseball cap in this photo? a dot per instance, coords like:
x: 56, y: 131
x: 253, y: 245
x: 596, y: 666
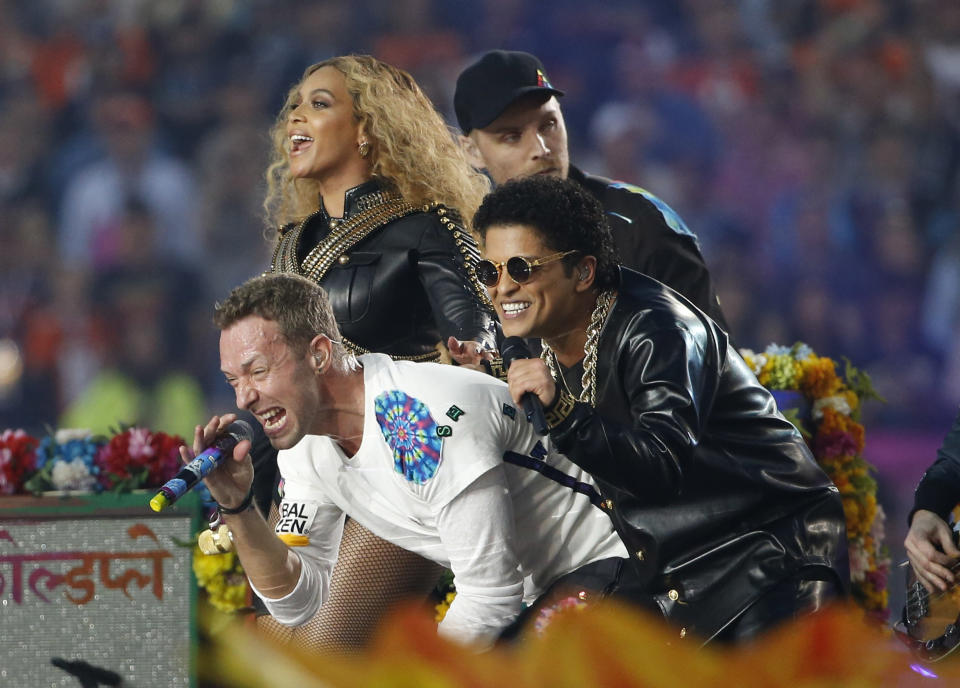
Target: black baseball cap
x: 489, y: 86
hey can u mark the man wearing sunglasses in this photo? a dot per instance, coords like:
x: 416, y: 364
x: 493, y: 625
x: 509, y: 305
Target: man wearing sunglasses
x: 731, y: 524
x: 432, y: 458
x: 513, y: 127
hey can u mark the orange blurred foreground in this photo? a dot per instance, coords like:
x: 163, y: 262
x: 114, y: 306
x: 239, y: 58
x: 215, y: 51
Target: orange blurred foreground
x: 608, y: 646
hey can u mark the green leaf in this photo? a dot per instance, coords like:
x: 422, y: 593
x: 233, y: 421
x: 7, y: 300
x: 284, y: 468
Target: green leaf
x: 41, y: 481
x: 860, y: 383
x: 445, y: 584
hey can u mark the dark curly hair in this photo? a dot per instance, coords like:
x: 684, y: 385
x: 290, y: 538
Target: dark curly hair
x: 565, y: 215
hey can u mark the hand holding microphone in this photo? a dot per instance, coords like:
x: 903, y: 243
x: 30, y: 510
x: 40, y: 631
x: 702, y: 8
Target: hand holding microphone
x: 512, y: 349
x: 202, y: 464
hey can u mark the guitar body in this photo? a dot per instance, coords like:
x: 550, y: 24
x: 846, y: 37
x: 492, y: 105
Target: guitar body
x: 930, y: 624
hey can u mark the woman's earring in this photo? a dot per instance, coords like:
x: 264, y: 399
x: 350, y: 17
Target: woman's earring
x: 364, y: 149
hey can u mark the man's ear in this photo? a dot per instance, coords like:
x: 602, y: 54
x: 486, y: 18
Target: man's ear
x: 321, y: 349
x: 472, y: 151
x: 585, y: 273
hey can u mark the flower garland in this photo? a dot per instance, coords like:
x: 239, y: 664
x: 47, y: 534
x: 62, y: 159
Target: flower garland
x: 836, y: 439
x: 134, y: 458
x: 138, y: 458
x: 66, y: 461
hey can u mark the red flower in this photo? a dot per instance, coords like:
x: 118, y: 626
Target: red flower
x: 830, y: 445
x: 166, y: 461
x: 18, y: 453
x: 127, y: 455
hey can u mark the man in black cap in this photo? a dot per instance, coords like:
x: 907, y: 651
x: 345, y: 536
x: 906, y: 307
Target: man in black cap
x: 513, y: 127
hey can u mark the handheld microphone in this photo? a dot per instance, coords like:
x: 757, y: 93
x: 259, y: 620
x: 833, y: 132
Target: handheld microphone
x: 512, y: 349
x: 202, y: 464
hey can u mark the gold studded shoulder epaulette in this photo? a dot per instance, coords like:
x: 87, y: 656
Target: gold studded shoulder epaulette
x: 466, y: 244
x: 376, y: 211
x: 341, y: 238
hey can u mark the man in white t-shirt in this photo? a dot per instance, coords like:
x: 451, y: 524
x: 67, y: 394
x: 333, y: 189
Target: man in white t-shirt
x: 432, y: 458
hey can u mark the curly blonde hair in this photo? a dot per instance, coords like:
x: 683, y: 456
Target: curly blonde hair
x: 412, y: 150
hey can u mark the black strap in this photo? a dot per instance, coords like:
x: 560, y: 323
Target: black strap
x: 244, y: 505
x: 556, y: 475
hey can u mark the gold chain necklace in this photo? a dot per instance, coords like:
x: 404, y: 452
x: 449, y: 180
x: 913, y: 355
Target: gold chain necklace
x: 588, y: 392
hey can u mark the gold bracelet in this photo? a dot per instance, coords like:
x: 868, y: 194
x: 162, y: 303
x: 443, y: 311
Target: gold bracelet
x: 496, y: 368
x: 560, y: 409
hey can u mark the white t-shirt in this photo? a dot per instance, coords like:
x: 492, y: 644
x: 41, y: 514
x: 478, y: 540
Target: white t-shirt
x: 430, y: 476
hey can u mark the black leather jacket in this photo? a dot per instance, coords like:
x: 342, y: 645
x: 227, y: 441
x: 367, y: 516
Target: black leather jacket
x: 651, y: 238
x: 407, y: 284
x: 714, y: 492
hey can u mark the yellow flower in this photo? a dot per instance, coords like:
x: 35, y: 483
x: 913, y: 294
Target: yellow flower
x: 229, y: 597
x: 443, y: 606
x: 764, y: 375
x: 852, y: 399
x: 221, y: 577
x: 207, y: 567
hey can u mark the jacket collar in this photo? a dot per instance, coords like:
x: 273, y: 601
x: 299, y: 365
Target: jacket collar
x: 353, y: 198
x: 577, y: 175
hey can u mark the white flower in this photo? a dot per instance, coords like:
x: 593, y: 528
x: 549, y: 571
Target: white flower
x: 65, y: 435
x: 754, y: 360
x: 73, y: 476
x: 838, y: 403
x: 859, y: 562
x: 878, y: 527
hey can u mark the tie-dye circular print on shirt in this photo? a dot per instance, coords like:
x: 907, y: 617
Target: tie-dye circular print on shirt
x: 411, y: 434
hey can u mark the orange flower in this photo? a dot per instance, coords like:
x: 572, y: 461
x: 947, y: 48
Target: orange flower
x: 837, y: 422
x: 843, y: 483
x: 832, y: 421
x: 819, y: 377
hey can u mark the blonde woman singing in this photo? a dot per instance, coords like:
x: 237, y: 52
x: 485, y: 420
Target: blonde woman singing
x: 370, y: 193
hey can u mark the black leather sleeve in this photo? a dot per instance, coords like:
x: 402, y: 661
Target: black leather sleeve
x: 671, y: 257
x: 939, y: 489
x: 445, y: 259
x: 664, y: 376
x: 682, y: 267
x: 648, y: 244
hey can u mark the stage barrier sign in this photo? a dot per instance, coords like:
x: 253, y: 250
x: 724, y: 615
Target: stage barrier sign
x: 97, y: 583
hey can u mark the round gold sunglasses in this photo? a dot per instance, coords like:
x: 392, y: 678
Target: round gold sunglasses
x: 519, y: 268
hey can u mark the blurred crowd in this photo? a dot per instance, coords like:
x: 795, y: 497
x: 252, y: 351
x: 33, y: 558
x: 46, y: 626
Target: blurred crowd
x: 813, y: 146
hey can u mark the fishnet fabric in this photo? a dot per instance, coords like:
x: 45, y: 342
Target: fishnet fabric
x: 371, y: 575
